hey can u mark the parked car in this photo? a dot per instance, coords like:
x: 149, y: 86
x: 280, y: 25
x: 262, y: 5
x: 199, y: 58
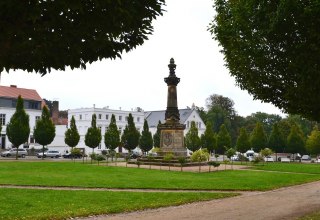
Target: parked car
x: 235, y: 158
x: 69, y: 155
x: 284, y: 159
x: 268, y: 159
x: 305, y: 157
x: 49, y: 153
x: 12, y: 153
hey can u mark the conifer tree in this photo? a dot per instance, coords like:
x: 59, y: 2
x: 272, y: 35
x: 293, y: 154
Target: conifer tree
x: 93, y: 136
x: 258, y: 138
x: 71, y: 136
x: 243, y: 143
x: 44, y: 131
x: 130, y: 136
x: 156, y: 136
x: 18, y: 129
x: 192, y: 140
x: 208, y: 139
x: 146, y: 141
x: 313, y: 141
x: 112, y: 135
x: 295, y: 141
x: 276, y: 142
x: 223, y: 140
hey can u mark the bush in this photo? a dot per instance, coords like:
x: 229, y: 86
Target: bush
x: 257, y: 159
x: 168, y: 156
x: 200, y: 156
x: 214, y: 163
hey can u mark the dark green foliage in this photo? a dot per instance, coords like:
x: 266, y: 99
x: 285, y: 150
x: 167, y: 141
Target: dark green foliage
x: 277, y: 142
x: 313, y: 141
x: 223, y: 140
x: 43, y: 35
x: 146, y: 141
x: 71, y: 136
x: 44, y: 131
x: 258, y: 138
x: 225, y: 103
x: 93, y: 136
x: 208, y: 139
x: 18, y: 129
x: 272, y: 49
x: 295, y: 141
x: 217, y: 116
x: 112, y: 135
x: 192, y: 140
x: 130, y: 136
x: 243, y: 143
x: 156, y: 136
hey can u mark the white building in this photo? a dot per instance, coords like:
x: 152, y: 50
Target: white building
x: 8, y: 100
x: 83, y: 117
x: 186, y: 117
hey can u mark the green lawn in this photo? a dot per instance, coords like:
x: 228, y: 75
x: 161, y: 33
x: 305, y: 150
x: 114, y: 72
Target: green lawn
x: 57, y: 204
x: 86, y: 175
x: 312, y: 216
x: 311, y: 168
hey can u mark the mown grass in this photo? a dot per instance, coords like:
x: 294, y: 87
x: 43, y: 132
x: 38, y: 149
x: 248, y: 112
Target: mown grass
x: 311, y: 168
x: 85, y: 175
x: 312, y: 216
x: 57, y: 204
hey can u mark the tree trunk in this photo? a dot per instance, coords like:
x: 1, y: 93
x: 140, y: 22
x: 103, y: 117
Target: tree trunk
x: 42, y: 152
x: 17, y: 154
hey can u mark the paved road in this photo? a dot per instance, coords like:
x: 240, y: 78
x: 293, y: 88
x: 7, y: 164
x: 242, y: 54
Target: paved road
x: 285, y: 203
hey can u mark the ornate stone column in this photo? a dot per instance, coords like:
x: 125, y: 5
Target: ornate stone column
x: 172, y: 136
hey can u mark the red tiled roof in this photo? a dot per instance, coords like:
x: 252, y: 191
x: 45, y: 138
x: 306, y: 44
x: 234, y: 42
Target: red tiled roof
x: 14, y: 92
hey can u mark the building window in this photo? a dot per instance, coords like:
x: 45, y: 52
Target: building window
x: 80, y: 117
x: 3, y: 119
x: 127, y: 118
x: 37, y: 118
x: 138, y: 119
x: 99, y: 147
x: 199, y: 124
x: 120, y: 118
x: 107, y: 117
x: 120, y: 130
x: 99, y: 116
x: 188, y: 124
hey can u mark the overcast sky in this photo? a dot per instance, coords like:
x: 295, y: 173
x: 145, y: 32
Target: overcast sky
x: 137, y: 80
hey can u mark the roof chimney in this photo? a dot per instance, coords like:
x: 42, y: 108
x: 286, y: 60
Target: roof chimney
x: 13, y: 86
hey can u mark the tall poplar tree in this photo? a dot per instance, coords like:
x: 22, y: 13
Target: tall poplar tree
x: 146, y: 141
x: 156, y: 136
x: 112, y: 135
x: 192, y: 140
x: 243, y: 143
x: 130, y: 136
x: 313, y: 141
x: 44, y: 131
x: 208, y: 139
x: 276, y: 141
x: 295, y: 140
x: 223, y: 140
x: 258, y: 138
x: 18, y: 128
x: 93, y: 136
x: 71, y: 136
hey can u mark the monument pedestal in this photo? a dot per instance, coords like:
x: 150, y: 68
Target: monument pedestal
x: 172, y: 139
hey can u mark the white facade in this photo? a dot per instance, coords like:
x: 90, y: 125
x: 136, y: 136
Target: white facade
x: 83, y: 117
x: 5, y: 116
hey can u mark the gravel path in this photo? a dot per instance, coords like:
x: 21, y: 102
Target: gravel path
x: 284, y: 203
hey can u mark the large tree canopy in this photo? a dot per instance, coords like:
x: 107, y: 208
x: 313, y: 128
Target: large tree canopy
x: 272, y: 48
x: 39, y: 35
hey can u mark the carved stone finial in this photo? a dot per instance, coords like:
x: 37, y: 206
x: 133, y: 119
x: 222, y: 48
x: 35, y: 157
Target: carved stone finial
x: 172, y: 67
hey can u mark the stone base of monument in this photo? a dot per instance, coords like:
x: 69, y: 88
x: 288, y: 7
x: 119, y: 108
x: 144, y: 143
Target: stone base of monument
x: 161, y: 161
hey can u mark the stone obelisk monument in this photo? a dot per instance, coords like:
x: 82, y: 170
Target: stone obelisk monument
x: 172, y: 137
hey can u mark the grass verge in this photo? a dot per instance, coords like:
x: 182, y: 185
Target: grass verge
x: 312, y: 216
x: 310, y: 168
x: 84, y: 175
x: 55, y: 204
